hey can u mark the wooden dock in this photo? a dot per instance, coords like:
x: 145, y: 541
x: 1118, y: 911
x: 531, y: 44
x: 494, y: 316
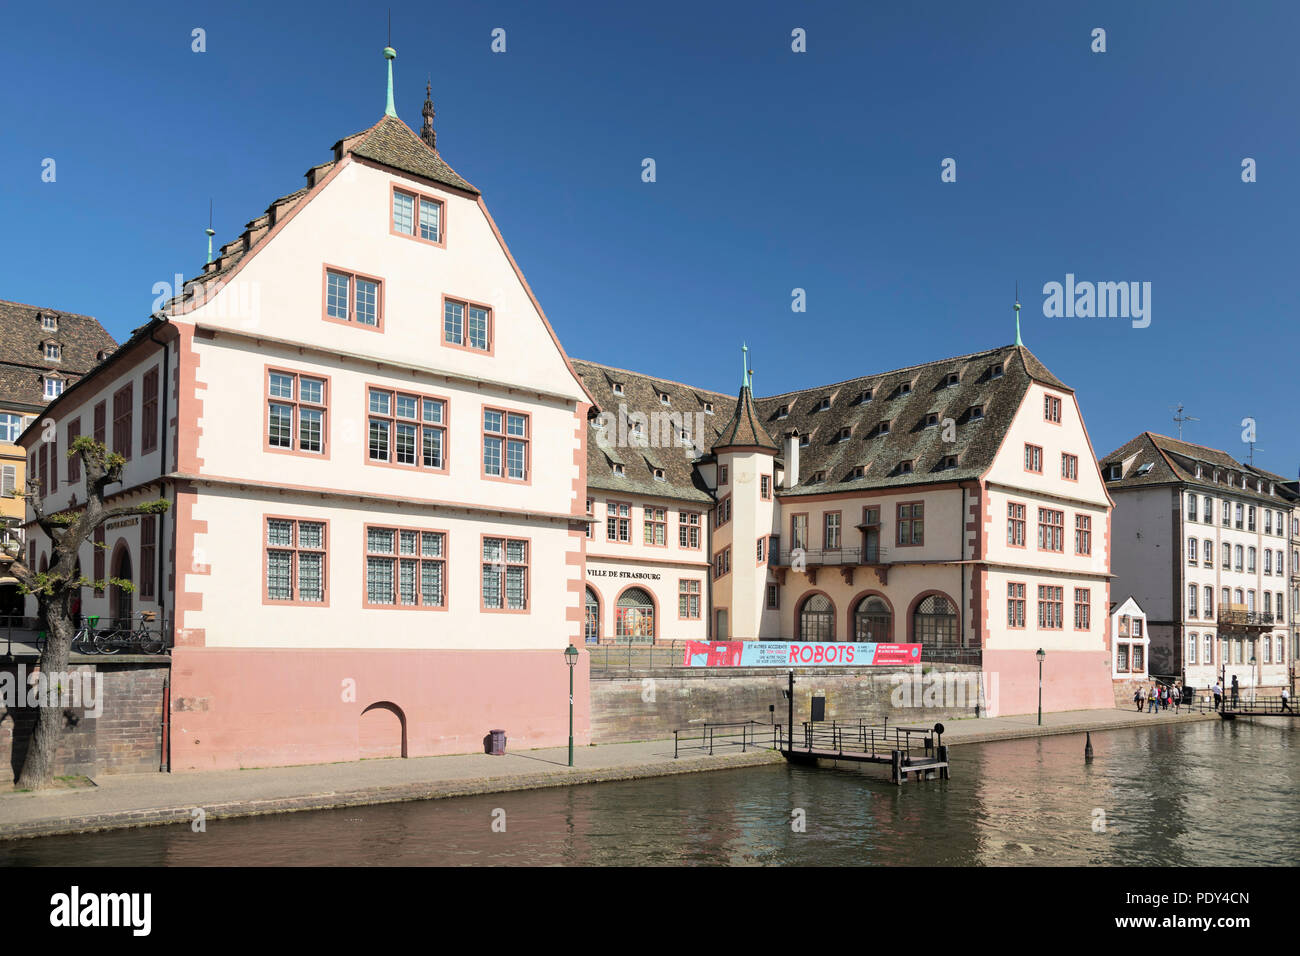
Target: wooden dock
x: 918, y: 751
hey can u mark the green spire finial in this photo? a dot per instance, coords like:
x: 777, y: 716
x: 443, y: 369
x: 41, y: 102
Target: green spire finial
x: 389, y: 55
x: 210, y: 231
x: 1018, y: 342
x: 744, y: 375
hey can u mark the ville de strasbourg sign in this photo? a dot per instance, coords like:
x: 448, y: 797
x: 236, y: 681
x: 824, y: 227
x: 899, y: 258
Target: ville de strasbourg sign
x: 800, y: 653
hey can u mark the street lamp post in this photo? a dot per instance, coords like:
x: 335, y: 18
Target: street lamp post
x: 1041, y: 654
x: 571, y: 658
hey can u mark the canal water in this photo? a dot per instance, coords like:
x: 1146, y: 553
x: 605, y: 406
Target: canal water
x: 1213, y: 793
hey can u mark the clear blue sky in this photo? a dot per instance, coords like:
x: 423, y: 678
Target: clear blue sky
x: 775, y: 170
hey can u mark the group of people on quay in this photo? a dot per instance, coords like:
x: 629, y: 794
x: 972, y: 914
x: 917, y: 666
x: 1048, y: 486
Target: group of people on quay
x: 1159, y: 697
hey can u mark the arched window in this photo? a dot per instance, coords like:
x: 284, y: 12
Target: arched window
x: 817, y: 619
x: 591, y: 625
x: 634, y: 617
x: 935, y: 621
x: 872, y: 621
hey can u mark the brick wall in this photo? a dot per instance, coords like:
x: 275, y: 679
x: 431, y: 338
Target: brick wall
x: 656, y: 702
x: 125, y: 738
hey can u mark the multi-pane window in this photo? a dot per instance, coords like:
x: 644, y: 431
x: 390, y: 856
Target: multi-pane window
x: 1034, y: 458
x: 1082, y: 609
x: 618, y: 521
x: 722, y: 563
x: 11, y: 426
x: 1208, y: 648
x: 149, y: 412
x: 591, y: 506
x: 1227, y: 557
x: 350, y: 297
x: 405, y: 567
x: 122, y: 405
x: 1236, y: 557
x: 1191, y: 551
x: 295, y: 560
x: 911, y: 523
x: 1250, y: 560
x: 416, y: 215
x: 656, y: 525
x: 1237, y: 516
x: 148, y: 555
x: 1192, y: 640
x: 760, y: 550
x: 1268, y: 561
x: 1015, y: 604
x: 1207, y: 553
x: 505, y: 574
x: 688, y: 599
x: 1208, y: 593
x: 8, y: 480
x: 1083, y: 534
x: 296, y: 406
x: 722, y: 513
x: 765, y: 487
x: 1208, y: 509
x: 1268, y: 521
x: 1191, y: 600
x: 1069, y: 466
x: 505, y: 444
x: 1191, y: 507
x: 1051, y: 530
x: 1051, y: 408
x: 54, y: 387
x: 688, y: 529
x: 831, y: 531
x: 1227, y: 513
x: 799, y: 531
x: 1250, y: 518
x: 723, y: 477
x: 406, y: 429
x: 467, y: 325
x: 1015, y: 524
x: 1051, y: 607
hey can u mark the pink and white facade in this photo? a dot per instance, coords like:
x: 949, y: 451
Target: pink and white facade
x: 375, y: 448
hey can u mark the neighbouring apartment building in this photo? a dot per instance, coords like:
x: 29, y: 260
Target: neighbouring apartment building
x: 42, y: 352
x: 375, y: 448
x: 956, y: 504
x: 1129, y: 641
x: 1203, y: 543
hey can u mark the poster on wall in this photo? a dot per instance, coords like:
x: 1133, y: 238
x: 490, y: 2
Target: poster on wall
x: 798, y: 653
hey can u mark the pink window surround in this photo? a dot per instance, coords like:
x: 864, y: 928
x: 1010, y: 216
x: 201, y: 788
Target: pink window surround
x: 397, y: 558
x: 697, y: 593
x: 1072, y: 461
x: 416, y: 196
x: 293, y: 572
x: 528, y: 574
x: 1033, y: 456
x: 297, y: 405
x: 418, y: 421
x: 505, y: 437
x: 1052, y: 406
x: 352, y: 276
x: 463, y: 344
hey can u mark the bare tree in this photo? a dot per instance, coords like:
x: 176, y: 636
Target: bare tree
x: 56, y: 588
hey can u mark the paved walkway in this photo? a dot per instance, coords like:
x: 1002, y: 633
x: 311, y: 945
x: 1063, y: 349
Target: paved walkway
x: 129, y: 800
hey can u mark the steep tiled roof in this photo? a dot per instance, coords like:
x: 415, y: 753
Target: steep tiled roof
x: 744, y: 430
x: 1174, y: 461
x: 22, y: 349
x: 980, y: 403
x: 615, y: 445
x: 395, y: 144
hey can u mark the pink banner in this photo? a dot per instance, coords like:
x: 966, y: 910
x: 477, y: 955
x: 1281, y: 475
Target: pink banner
x: 798, y: 654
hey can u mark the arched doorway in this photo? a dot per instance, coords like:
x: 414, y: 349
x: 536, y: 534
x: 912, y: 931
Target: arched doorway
x: 935, y: 621
x: 817, y: 619
x: 591, y: 618
x: 120, y: 603
x: 634, y: 617
x: 873, y: 621
x: 382, y: 732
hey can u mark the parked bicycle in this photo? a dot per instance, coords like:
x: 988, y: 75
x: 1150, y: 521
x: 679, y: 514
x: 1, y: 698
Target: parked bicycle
x: 83, y: 642
x: 135, y: 634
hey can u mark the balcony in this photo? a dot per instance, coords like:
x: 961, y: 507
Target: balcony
x: 809, y: 561
x: 1235, y: 617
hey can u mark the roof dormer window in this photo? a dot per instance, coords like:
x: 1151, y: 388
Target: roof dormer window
x: 995, y: 371
x: 952, y: 380
x: 817, y: 478
x: 1200, y: 473
x: 824, y: 405
x: 949, y: 462
x: 53, y: 386
x: 859, y: 471
x: 903, y: 388
x: 708, y: 408
x: 616, y: 388
x: 803, y: 440
x: 931, y: 419
x: 49, y: 322
x: 783, y: 411
x: 1114, y: 472
x: 1144, y: 469
x: 843, y: 434
x: 976, y: 413
x: 53, y: 352
x: 664, y: 399
x: 882, y: 428
x: 659, y: 474
x: 619, y: 471
x: 903, y: 468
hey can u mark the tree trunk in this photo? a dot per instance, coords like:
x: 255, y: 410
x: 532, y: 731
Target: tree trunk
x: 38, y: 767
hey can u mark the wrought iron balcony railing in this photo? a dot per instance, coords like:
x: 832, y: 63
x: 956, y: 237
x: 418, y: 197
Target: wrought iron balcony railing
x: 827, y: 557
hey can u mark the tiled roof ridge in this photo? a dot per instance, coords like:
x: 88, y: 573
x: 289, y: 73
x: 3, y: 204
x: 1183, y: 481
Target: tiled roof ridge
x: 894, y: 371
x: 655, y: 378
x: 48, y: 308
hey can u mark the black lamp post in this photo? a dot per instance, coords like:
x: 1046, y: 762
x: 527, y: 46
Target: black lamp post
x: 1041, y: 654
x: 571, y: 658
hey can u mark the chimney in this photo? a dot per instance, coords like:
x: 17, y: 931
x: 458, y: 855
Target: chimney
x: 792, y: 458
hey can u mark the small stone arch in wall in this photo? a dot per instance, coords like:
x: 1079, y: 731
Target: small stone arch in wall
x: 381, y: 731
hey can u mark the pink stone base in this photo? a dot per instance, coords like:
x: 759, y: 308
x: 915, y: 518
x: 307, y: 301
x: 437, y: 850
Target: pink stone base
x: 234, y: 707
x: 1072, y: 680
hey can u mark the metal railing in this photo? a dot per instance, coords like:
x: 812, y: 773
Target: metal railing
x: 745, y: 734
x: 95, y: 635
x: 827, y: 557
x: 951, y: 654
x: 876, y: 741
x: 613, y: 657
x: 1231, y: 617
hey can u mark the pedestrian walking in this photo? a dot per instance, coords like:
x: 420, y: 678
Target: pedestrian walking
x: 1175, y: 696
x: 1153, y: 700
x: 1286, y: 701
x: 1218, y: 696
x: 1138, y: 699
x: 1236, y: 689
